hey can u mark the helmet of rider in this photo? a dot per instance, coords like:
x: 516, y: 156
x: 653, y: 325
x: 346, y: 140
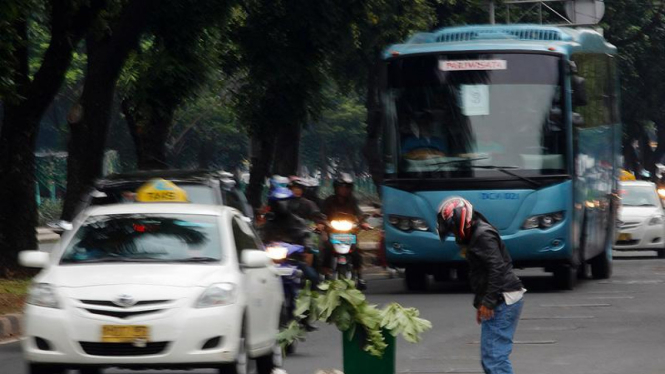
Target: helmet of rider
x: 343, y: 179
x: 298, y: 182
x: 278, y: 188
x: 278, y: 181
x: 280, y: 193
x: 454, y: 217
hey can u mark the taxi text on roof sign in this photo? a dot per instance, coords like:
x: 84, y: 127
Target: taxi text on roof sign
x: 159, y: 191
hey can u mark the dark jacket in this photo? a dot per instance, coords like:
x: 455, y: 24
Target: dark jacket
x: 333, y: 206
x: 289, y: 221
x: 490, y: 267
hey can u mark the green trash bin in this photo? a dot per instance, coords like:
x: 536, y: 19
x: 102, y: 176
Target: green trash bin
x: 357, y: 361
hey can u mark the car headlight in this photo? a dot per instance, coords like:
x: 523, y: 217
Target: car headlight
x: 341, y: 225
x: 543, y: 221
x: 277, y: 253
x: 43, y: 294
x: 656, y: 220
x: 408, y: 223
x: 219, y: 294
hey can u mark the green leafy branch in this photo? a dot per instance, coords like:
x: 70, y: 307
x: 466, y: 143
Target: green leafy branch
x: 340, y: 303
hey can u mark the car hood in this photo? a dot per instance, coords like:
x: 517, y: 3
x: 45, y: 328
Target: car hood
x: 637, y: 213
x: 180, y: 275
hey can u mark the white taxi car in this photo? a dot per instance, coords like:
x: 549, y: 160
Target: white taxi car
x: 154, y: 285
x: 641, y: 218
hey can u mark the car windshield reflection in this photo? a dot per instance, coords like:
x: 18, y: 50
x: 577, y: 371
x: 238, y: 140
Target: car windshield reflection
x: 145, y: 238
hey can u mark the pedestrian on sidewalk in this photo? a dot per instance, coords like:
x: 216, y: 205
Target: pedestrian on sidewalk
x: 498, y: 291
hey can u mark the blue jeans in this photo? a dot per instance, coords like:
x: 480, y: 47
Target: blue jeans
x: 496, y: 338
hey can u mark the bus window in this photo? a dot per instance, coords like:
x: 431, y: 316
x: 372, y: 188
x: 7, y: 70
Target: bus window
x: 442, y: 119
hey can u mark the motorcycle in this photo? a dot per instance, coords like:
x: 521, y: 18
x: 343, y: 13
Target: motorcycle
x: 287, y: 258
x: 342, y: 235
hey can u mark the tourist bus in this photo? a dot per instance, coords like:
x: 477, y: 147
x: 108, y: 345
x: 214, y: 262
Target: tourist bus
x: 522, y: 121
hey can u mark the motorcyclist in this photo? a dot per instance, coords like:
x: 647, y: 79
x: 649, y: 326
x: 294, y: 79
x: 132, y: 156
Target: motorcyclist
x: 287, y: 221
x: 343, y: 202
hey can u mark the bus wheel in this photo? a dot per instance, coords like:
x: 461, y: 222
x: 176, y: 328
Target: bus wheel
x: 601, y: 266
x: 463, y: 274
x: 443, y: 274
x: 565, y: 277
x: 416, y: 278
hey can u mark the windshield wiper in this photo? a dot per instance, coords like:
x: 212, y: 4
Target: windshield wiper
x: 458, y: 161
x: 198, y: 259
x: 107, y: 259
x: 504, y: 169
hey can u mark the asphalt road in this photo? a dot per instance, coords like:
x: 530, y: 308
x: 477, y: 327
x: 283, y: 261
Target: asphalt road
x: 612, y: 326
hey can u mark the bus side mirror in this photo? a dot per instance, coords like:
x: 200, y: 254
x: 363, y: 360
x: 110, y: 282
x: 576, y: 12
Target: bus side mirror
x: 579, y: 91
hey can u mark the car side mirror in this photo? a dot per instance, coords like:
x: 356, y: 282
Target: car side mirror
x: 33, y: 259
x: 579, y: 91
x: 253, y: 259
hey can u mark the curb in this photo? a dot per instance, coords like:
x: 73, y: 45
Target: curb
x: 45, y: 235
x: 10, y: 326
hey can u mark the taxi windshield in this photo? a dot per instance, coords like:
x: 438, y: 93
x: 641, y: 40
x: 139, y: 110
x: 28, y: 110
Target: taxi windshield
x: 145, y: 238
x: 639, y: 196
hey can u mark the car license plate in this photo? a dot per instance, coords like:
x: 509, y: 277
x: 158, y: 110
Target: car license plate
x: 625, y: 237
x: 343, y: 239
x: 124, y: 334
x: 342, y: 260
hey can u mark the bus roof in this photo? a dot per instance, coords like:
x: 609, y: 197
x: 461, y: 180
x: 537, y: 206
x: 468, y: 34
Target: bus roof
x: 534, y: 38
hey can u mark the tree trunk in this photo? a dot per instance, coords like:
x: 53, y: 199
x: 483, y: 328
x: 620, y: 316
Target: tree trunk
x: 262, y: 152
x: 20, y: 125
x: 149, y: 135
x: 660, y: 133
x: 287, y: 150
x: 89, y: 119
x: 372, y: 148
x: 18, y: 217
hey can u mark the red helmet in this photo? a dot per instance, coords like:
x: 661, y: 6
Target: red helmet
x: 454, y: 217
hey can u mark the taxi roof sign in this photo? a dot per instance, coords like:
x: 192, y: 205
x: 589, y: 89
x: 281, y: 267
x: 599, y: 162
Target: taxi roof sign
x: 161, y: 191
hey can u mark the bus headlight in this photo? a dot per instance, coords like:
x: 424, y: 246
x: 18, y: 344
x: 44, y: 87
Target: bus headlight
x: 543, y: 221
x: 408, y: 223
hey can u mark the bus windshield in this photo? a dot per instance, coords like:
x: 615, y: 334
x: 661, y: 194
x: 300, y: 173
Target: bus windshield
x: 474, y: 115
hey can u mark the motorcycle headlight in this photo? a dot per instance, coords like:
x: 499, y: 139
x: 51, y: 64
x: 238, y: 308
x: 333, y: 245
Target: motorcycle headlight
x: 277, y: 253
x: 661, y: 193
x: 656, y: 220
x: 543, y: 221
x: 219, y: 294
x: 43, y: 294
x: 341, y: 225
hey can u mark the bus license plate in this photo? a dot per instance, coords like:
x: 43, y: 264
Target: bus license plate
x: 124, y: 334
x: 343, y: 239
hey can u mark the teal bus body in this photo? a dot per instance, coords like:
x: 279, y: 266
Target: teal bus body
x: 572, y: 186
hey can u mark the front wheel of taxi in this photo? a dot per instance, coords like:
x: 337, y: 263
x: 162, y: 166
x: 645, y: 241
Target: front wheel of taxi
x: 239, y: 366
x: 266, y: 364
x: 44, y: 369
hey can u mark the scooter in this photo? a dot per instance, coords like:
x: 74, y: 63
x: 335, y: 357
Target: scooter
x: 286, y: 257
x: 343, y: 238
